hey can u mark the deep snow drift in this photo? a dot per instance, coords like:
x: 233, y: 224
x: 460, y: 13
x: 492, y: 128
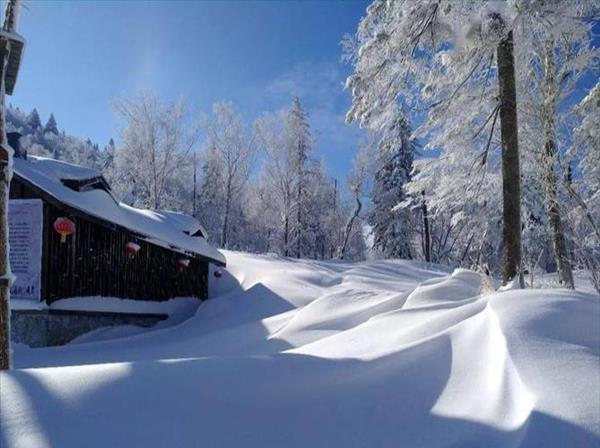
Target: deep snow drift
x: 313, y: 354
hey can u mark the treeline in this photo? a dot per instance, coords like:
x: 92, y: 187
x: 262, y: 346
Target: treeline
x: 256, y: 187
x: 46, y: 140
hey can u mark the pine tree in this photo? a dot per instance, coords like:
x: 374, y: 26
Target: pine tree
x: 211, y: 195
x: 299, y: 144
x: 33, y: 120
x: 51, y: 126
x: 392, y: 172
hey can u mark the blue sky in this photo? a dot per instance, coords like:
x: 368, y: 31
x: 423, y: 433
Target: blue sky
x: 81, y: 55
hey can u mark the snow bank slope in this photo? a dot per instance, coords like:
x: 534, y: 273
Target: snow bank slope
x: 299, y: 353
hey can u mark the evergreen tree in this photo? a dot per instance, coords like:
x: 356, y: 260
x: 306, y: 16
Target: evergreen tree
x: 211, y: 195
x: 51, y: 126
x: 33, y: 120
x: 299, y: 144
x: 391, y: 236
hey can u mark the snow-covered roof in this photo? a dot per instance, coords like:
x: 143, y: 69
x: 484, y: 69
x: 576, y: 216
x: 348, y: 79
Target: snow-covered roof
x: 163, y: 228
x: 186, y: 223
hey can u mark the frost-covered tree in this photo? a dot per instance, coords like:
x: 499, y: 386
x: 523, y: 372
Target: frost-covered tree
x: 298, y: 142
x: 277, y: 177
x: 33, y: 120
x: 357, y: 184
x: 152, y: 163
x: 324, y: 222
x: 587, y: 146
x: 584, y: 189
x: 231, y: 150
x: 287, y: 142
x: 398, y: 41
x: 211, y: 194
x: 61, y: 146
x: 559, y: 56
x: 301, y: 207
x: 458, y: 63
x: 51, y: 126
x: 393, y: 167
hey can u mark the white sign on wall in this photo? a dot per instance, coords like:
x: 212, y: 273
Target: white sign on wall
x: 25, y: 238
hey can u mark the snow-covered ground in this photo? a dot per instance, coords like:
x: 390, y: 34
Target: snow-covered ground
x: 313, y: 354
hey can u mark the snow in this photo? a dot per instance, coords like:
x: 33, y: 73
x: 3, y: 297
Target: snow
x: 161, y: 228
x: 185, y: 223
x: 300, y: 353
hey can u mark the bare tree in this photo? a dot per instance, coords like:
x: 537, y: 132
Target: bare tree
x: 278, y: 172
x: 156, y: 143
x: 234, y: 150
x: 356, y: 181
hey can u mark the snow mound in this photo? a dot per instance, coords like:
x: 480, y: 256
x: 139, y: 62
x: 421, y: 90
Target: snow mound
x: 301, y: 353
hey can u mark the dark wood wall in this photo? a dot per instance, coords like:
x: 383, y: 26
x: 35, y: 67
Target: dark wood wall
x: 93, y: 261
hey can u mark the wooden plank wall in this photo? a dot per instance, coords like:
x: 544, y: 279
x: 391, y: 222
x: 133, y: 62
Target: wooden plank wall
x: 93, y: 261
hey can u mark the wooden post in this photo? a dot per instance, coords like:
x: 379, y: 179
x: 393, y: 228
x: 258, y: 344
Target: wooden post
x: 5, y: 176
x: 5, y: 160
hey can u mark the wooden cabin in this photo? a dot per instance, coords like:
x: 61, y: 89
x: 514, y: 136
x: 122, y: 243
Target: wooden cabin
x: 108, y: 249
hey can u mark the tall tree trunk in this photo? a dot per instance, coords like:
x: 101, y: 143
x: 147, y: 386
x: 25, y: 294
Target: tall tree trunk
x: 426, y: 229
x: 511, y: 172
x: 299, y: 224
x: 194, y: 190
x: 286, y: 235
x: 225, y: 230
x: 559, y: 244
x: 349, y: 226
x: 225, y: 225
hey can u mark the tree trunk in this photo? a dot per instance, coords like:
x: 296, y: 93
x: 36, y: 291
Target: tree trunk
x: 511, y: 172
x: 349, y: 226
x: 299, y: 224
x: 225, y: 230
x: 194, y: 190
x: 559, y: 244
x: 286, y: 235
x: 426, y: 229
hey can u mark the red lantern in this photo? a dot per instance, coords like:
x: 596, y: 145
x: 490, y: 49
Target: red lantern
x: 64, y: 227
x: 132, y: 248
x: 183, y: 263
x: 218, y: 273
